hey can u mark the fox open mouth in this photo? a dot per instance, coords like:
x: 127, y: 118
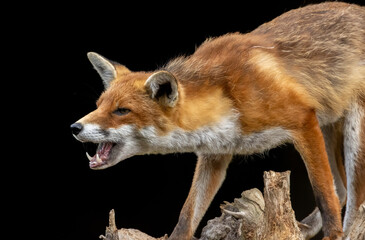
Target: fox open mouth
x: 102, y: 154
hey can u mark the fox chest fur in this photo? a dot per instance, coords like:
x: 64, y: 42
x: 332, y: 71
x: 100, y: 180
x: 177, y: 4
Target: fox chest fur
x: 241, y: 94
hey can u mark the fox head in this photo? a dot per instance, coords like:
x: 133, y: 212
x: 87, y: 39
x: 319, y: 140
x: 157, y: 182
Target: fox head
x: 156, y: 112
x: 131, y: 103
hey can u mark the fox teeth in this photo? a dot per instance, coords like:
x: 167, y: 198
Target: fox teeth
x: 98, y: 159
x: 88, y: 156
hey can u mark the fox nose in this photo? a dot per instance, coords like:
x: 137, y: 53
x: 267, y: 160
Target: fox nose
x: 76, y: 128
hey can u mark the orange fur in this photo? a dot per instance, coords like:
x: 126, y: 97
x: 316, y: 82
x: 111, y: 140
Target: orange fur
x: 200, y: 110
x: 209, y: 175
x: 306, y: 139
x: 278, y: 79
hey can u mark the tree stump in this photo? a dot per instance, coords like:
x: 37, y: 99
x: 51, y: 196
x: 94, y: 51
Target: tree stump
x: 249, y: 217
x: 357, y: 229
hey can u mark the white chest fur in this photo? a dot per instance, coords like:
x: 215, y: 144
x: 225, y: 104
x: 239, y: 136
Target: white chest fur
x: 224, y: 137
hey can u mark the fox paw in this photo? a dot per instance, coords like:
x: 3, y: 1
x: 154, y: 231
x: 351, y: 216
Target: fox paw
x: 334, y: 237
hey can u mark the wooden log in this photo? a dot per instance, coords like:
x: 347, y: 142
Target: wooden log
x: 279, y: 219
x: 112, y: 233
x: 247, y: 218
x: 357, y: 229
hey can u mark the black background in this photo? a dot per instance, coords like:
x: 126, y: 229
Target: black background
x: 51, y: 177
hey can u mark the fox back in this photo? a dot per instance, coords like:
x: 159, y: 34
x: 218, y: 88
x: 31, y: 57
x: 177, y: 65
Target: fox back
x: 241, y: 94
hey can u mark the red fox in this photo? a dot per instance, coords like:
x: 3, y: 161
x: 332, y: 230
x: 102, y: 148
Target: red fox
x: 298, y: 79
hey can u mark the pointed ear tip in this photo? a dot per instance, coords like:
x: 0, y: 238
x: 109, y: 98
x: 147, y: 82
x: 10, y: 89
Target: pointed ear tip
x: 91, y: 54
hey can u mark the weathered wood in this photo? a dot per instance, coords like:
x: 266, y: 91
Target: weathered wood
x: 247, y: 218
x: 279, y: 218
x: 240, y: 220
x: 112, y: 233
x: 357, y: 229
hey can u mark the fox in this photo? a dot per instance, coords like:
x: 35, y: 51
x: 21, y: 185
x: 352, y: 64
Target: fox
x: 298, y: 79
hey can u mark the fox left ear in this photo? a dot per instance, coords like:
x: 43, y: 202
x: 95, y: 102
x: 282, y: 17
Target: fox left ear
x: 163, y: 87
x: 104, y: 67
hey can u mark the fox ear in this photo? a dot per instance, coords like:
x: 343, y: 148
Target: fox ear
x: 163, y: 87
x: 104, y: 67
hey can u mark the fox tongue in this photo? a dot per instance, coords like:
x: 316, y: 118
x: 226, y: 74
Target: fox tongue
x: 104, y: 150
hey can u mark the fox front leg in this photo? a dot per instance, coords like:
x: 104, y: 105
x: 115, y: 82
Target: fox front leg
x: 209, y: 174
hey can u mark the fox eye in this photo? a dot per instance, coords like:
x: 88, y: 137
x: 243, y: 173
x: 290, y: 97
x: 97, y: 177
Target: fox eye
x: 121, y: 111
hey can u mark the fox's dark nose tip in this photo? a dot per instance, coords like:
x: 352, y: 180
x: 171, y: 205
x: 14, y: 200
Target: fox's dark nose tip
x: 76, y: 128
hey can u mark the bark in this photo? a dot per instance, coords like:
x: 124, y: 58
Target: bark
x: 357, y: 229
x: 112, y: 233
x: 247, y: 218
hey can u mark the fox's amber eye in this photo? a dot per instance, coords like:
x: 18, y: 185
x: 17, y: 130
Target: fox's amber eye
x: 121, y: 111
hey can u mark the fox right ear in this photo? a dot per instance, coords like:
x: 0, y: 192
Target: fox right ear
x: 104, y: 67
x: 162, y: 86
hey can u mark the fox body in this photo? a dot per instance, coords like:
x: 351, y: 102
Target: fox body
x: 298, y: 79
